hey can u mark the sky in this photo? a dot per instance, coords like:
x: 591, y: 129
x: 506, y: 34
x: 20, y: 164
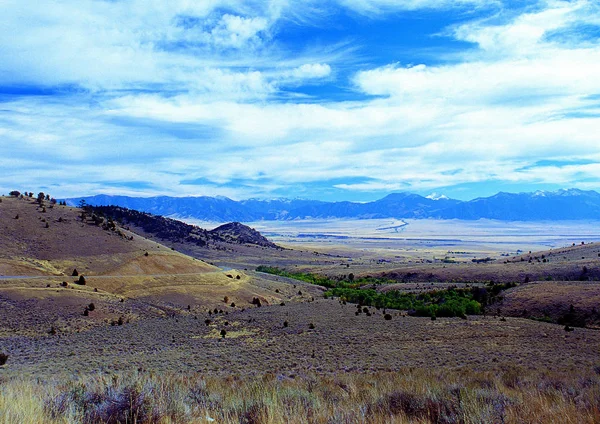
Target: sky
x: 327, y: 99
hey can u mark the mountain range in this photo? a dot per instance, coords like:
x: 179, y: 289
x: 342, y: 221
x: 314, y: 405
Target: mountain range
x: 564, y: 204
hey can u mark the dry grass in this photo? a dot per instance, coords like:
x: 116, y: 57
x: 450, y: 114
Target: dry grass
x: 257, y: 343
x: 416, y: 396
x: 553, y: 300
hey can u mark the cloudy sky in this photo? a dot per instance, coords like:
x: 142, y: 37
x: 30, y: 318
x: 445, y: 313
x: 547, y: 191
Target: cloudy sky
x: 324, y: 99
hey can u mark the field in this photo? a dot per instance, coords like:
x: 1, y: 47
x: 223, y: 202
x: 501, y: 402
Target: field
x: 182, y: 333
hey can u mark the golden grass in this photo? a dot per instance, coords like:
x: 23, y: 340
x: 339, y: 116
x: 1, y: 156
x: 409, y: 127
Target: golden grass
x: 413, y: 395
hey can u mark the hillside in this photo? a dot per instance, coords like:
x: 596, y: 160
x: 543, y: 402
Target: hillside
x: 171, y: 230
x: 572, y: 204
x: 51, y: 239
x: 125, y: 275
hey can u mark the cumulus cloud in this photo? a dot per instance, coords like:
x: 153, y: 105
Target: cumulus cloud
x: 237, y: 31
x: 311, y: 70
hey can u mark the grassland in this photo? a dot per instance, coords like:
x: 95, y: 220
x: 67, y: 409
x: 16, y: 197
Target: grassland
x: 173, y: 338
x: 409, y: 396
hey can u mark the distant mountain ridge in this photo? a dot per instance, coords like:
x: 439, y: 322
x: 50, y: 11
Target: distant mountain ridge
x: 564, y: 204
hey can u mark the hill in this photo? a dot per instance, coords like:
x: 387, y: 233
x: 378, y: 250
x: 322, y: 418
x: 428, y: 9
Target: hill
x: 569, y: 204
x: 57, y: 260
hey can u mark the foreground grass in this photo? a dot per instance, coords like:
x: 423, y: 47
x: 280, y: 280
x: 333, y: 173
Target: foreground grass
x: 420, y: 396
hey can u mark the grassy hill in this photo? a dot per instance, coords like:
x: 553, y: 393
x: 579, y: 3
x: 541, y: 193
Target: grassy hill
x: 126, y: 276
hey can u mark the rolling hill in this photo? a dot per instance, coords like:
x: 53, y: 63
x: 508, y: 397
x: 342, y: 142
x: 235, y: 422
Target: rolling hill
x: 57, y: 261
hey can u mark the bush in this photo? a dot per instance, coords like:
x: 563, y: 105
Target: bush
x: 75, y: 273
x: 387, y: 317
x: 81, y: 280
x: 3, y: 358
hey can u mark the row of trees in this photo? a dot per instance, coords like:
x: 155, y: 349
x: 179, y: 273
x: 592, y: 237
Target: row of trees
x: 41, y: 197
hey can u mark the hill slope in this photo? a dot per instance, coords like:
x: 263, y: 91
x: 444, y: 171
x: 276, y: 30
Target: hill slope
x: 176, y: 231
x: 126, y: 276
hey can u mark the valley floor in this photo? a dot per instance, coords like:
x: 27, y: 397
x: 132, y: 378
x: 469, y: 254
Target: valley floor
x: 257, y: 342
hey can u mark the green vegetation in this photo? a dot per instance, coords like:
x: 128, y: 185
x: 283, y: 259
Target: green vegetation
x: 451, y: 302
x: 349, y: 281
x: 441, y: 303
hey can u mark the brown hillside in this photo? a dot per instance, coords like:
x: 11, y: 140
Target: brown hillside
x: 573, y: 303
x: 126, y: 275
x: 572, y: 263
x: 53, y: 240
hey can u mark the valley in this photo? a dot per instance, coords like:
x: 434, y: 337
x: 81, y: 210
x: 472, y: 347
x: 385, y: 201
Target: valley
x: 163, y: 298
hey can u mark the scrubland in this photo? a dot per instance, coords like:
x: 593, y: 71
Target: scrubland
x: 408, y: 396
x: 174, y: 339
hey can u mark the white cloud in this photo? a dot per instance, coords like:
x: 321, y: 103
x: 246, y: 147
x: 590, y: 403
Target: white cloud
x: 379, y: 6
x: 515, y: 98
x: 237, y: 31
x: 311, y: 70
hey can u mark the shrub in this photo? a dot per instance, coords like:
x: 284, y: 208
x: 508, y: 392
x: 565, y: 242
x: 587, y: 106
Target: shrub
x: 81, y: 280
x: 387, y: 317
x: 91, y: 306
x: 311, y: 326
x: 226, y: 299
x: 223, y: 333
x: 75, y: 273
x: 3, y: 358
x: 285, y: 324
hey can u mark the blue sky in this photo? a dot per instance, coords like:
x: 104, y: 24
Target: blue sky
x: 329, y: 99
